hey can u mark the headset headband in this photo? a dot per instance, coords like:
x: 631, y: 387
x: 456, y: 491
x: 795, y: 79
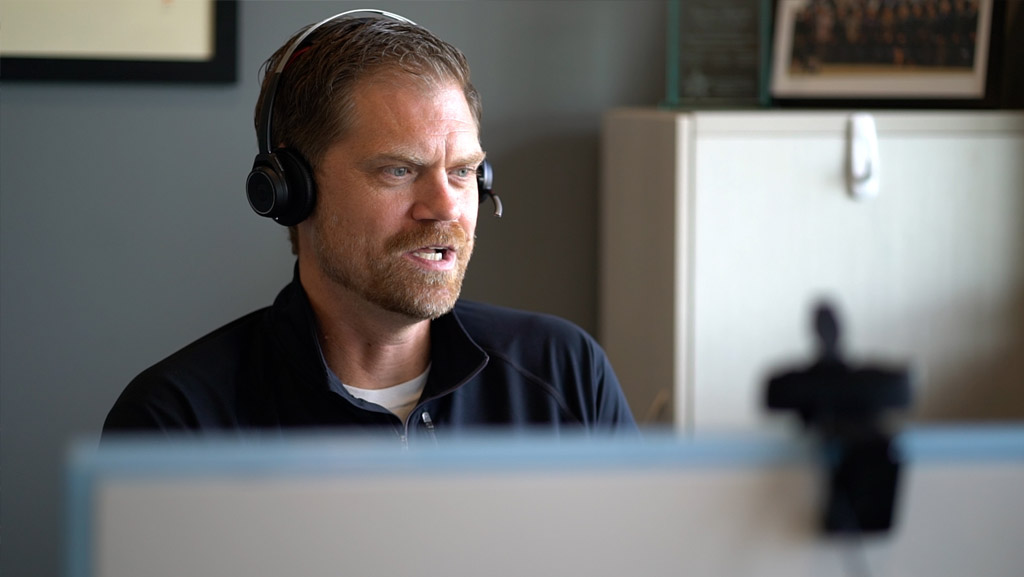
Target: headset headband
x: 265, y: 143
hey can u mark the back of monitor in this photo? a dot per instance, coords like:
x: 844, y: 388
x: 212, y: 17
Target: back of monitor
x: 740, y: 506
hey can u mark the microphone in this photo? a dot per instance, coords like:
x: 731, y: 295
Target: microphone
x: 497, y: 204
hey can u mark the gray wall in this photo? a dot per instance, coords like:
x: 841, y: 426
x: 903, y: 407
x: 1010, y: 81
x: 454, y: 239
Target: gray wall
x: 125, y: 233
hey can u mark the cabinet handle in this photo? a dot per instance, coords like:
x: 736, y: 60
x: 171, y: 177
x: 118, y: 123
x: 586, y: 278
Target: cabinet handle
x: 863, y: 161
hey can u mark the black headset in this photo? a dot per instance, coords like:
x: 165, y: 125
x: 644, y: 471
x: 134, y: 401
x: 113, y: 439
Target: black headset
x: 280, y: 185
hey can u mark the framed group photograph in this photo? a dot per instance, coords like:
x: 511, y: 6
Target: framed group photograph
x: 898, y: 53
x: 119, y: 41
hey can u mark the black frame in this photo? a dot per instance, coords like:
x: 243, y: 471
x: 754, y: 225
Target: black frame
x: 222, y: 68
x: 989, y: 100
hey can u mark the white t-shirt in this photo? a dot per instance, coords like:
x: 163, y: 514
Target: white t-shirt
x: 400, y: 399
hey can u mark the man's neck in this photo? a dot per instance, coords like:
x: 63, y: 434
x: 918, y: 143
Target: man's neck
x: 366, y: 346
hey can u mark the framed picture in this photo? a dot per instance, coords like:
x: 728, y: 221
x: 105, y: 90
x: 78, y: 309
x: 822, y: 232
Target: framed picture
x: 119, y: 41
x: 891, y: 53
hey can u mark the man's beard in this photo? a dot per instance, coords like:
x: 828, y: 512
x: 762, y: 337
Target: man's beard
x: 385, y: 277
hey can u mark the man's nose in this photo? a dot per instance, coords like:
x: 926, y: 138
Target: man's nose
x: 437, y: 198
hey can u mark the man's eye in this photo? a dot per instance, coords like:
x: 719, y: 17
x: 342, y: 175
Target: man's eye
x: 398, y: 171
x: 464, y: 172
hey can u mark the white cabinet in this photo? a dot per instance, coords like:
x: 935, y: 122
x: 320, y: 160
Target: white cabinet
x: 720, y: 230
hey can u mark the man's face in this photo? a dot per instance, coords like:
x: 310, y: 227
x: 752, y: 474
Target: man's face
x: 397, y: 199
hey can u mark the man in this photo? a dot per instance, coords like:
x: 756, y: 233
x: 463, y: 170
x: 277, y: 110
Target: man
x: 375, y: 127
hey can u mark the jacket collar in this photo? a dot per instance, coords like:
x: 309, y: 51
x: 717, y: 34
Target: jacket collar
x: 455, y: 356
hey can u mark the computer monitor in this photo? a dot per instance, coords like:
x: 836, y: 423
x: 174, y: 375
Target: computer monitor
x: 723, y: 505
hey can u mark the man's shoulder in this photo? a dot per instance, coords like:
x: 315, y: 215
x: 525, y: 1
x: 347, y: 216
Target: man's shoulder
x: 194, y: 384
x: 500, y: 327
x: 219, y: 344
x: 214, y: 358
x: 490, y: 317
x: 543, y: 356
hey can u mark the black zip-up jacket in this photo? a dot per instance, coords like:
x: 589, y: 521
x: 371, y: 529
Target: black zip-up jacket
x: 490, y: 366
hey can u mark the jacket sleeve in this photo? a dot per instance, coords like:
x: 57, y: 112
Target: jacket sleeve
x: 612, y: 411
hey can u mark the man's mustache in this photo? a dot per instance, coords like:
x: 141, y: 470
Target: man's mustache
x: 435, y: 234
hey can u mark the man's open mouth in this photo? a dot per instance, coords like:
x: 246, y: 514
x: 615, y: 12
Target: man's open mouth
x: 434, y: 253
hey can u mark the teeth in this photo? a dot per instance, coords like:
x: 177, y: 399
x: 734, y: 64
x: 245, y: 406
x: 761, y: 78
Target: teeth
x: 434, y: 255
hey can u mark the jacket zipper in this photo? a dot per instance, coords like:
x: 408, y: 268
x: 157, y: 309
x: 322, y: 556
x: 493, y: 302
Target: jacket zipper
x: 427, y: 422
x: 425, y: 416
x: 430, y: 426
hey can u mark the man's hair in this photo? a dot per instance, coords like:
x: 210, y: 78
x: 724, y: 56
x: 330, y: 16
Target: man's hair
x: 313, y: 103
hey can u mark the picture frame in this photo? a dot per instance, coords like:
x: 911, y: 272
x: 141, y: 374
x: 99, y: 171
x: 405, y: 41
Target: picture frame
x: 198, y: 44
x: 887, y: 53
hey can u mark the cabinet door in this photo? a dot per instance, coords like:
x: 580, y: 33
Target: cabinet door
x: 929, y: 274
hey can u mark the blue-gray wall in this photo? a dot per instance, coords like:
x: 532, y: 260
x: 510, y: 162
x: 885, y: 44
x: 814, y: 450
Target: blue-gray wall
x: 125, y: 233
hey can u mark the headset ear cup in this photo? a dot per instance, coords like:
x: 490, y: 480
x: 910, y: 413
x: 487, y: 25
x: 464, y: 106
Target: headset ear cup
x: 484, y: 180
x: 265, y: 187
x: 484, y: 185
x: 298, y: 177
